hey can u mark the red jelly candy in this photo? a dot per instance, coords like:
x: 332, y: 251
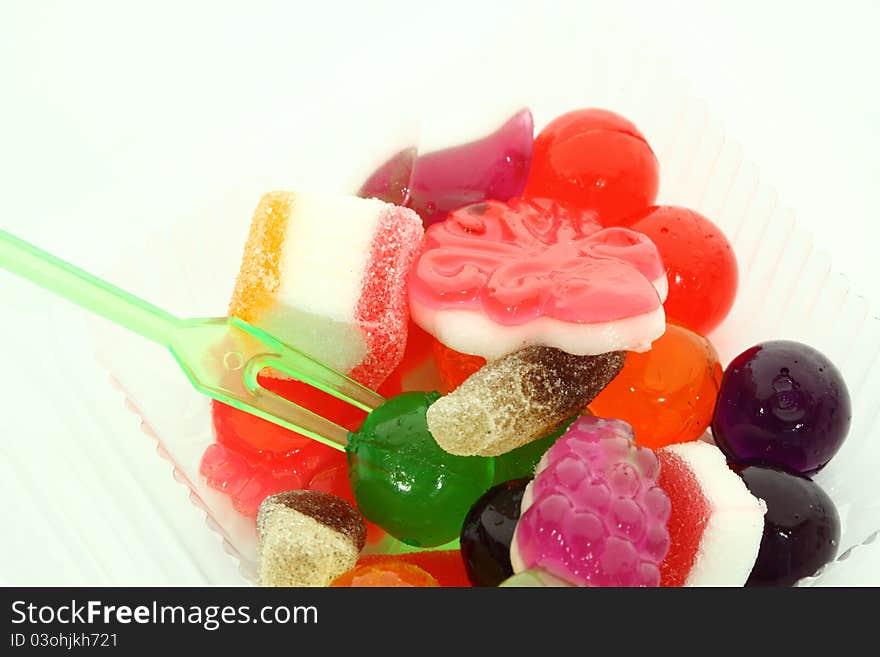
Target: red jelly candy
x: 700, y: 265
x: 592, y: 159
x: 254, y: 458
x: 668, y: 393
x: 454, y: 367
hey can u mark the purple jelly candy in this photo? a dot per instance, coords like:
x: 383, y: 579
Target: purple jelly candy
x: 391, y: 181
x: 782, y: 404
x: 801, y: 528
x: 492, y: 168
x: 591, y: 516
x: 495, y: 167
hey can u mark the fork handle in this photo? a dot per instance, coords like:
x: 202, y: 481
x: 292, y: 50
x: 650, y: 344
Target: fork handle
x: 86, y: 290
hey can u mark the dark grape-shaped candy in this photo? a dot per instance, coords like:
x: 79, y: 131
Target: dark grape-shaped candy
x: 801, y: 527
x: 488, y: 531
x: 782, y: 404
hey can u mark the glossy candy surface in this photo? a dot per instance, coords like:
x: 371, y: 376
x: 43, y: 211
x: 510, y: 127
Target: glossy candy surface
x: 782, y: 404
x: 801, y: 528
x: 404, y: 482
x: 496, y: 277
x: 700, y: 266
x: 593, y: 159
x: 668, y: 393
x: 493, y: 167
x: 594, y: 514
x: 488, y: 531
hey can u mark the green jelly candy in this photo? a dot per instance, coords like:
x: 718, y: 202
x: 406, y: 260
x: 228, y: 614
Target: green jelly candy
x: 521, y: 462
x: 404, y: 482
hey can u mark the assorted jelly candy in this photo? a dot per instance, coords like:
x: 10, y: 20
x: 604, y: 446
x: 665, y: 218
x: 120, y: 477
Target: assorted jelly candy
x: 782, y: 404
x: 594, y: 514
x: 517, y: 399
x: 801, y: 528
x: 715, y: 524
x: 386, y: 573
x: 597, y: 160
x: 488, y: 531
x: 404, y: 482
x: 547, y: 285
x: 496, y: 277
x: 446, y: 566
x: 351, y: 317
x: 667, y: 394
x: 307, y: 538
x: 700, y: 266
x: 453, y: 366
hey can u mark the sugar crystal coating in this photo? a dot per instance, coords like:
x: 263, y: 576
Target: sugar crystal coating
x: 715, y: 524
x: 307, y: 538
x: 328, y: 275
x: 517, y: 399
x: 594, y: 515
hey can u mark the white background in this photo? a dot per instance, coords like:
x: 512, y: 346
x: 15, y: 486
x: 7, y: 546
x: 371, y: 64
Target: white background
x: 89, y: 91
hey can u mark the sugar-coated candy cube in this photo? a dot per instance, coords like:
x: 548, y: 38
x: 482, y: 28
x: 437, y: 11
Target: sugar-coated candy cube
x: 307, y: 538
x: 715, y: 523
x: 517, y: 399
x: 327, y: 274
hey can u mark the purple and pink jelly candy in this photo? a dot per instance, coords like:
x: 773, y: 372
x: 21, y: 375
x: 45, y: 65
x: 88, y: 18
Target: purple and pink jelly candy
x: 494, y: 167
x: 594, y: 514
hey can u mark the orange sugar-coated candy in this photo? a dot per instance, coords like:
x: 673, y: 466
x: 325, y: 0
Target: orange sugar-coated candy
x: 454, y: 367
x: 386, y: 573
x: 668, y: 393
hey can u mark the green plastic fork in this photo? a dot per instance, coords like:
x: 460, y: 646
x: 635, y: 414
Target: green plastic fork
x: 221, y: 356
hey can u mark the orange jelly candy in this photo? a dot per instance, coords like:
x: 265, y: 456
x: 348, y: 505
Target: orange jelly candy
x: 388, y: 573
x: 668, y: 393
x: 453, y: 366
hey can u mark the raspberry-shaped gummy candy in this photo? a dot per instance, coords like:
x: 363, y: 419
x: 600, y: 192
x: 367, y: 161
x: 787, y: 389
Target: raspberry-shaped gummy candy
x: 594, y: 514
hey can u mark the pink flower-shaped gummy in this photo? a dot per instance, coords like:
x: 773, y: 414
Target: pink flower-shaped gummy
x: 594, y: 514
x: 497, y: 276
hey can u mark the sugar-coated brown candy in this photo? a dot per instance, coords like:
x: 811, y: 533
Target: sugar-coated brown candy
x: 307, y: 538
x: 517, y: 399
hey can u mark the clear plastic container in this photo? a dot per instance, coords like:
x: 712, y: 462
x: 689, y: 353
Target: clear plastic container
x: 788, y: 289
